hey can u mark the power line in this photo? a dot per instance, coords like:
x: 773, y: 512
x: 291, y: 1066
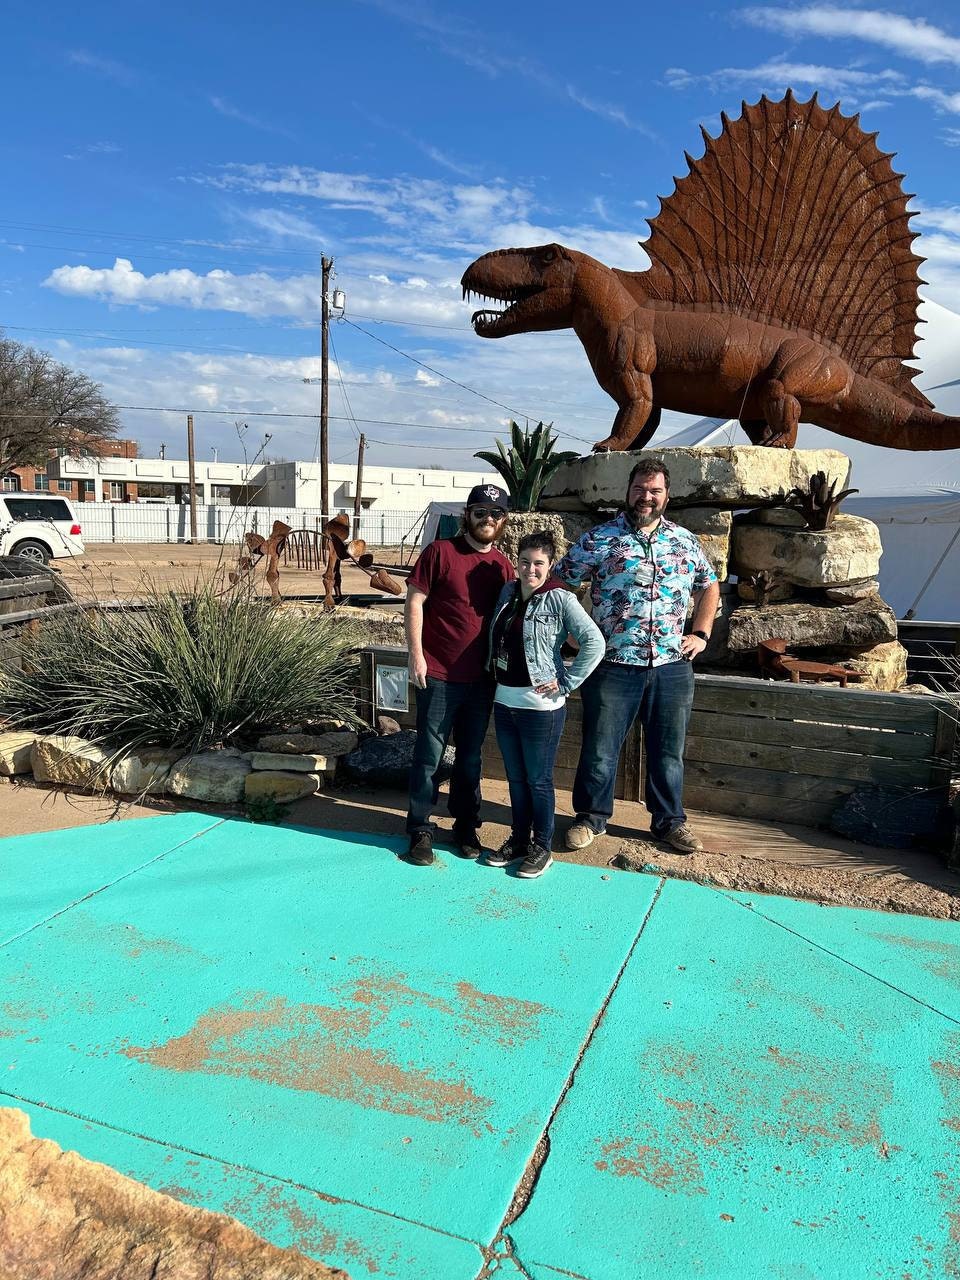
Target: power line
x: 406, y: 355
x: 343, y: 389
x: 260, y: 413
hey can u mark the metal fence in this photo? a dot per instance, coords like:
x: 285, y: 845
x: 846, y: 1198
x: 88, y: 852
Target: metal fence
x: 170, y: 522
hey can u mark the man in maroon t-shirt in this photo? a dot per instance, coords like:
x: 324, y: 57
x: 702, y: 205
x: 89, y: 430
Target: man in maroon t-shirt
x: 451, y: 596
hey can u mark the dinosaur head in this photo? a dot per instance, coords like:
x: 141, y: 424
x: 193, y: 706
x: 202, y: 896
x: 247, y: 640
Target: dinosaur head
x: 536, y: 284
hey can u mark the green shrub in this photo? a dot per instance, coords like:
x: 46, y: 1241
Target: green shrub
x: 187, y: 669
x: 265, y: 809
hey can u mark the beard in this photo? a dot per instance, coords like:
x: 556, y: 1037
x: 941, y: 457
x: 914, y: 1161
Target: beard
x: 486, y: 532
x: 645, y: 515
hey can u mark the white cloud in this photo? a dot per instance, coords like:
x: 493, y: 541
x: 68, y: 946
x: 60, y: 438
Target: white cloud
x: 608, y: 111
x: 108, y: 68
x: 778, y: 74
x: 225, y: 108
x: 258, y: 294
x: 470, y: 44
x: 942, y: 101
x: 910, y: 37
x: 426, y: 379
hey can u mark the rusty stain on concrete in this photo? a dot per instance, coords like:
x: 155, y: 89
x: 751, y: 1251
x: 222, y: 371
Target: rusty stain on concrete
x: 676, y: 1171
x: 312, y: 1048
x: 497, y: 905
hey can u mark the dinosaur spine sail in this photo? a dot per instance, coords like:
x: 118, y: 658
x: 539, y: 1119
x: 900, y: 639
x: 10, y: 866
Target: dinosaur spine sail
x: 793, y: 217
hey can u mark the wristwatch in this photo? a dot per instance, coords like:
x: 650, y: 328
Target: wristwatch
x: 703, y: 635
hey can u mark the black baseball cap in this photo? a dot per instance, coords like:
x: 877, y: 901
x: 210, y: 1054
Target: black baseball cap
x: 488, y: 495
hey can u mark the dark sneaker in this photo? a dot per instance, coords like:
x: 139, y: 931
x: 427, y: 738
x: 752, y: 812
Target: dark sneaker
x: 420, y: 853
x: 683, y: 839
x: 535, y: 863
x: 468, y: 842
x: 508, y: 852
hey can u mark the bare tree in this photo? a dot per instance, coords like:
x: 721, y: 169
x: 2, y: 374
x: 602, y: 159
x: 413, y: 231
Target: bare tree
x: 45, y: 406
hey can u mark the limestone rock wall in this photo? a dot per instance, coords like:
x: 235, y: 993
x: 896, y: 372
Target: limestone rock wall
x: 820, y: 588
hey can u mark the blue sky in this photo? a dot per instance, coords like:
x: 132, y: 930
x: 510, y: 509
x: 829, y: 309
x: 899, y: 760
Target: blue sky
x: 175, y: 172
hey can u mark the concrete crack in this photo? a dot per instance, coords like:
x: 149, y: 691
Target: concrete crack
x: 501, y: 1248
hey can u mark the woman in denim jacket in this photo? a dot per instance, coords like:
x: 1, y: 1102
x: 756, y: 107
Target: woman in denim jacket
x: 532, y: 619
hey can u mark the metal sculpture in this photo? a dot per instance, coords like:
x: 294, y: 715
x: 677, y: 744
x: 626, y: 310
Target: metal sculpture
x: 341, y: 547
x: 819, y: 504
x: 312, y: 550
x: 762, y: 582
x: 776, y: 664
x: 782, y: 287
x: 260, y: 547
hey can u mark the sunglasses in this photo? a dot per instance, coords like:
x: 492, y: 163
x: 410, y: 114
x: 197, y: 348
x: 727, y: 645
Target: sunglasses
x: 481, y: 513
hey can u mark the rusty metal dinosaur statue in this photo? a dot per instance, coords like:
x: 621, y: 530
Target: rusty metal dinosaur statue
x: 782, y: 287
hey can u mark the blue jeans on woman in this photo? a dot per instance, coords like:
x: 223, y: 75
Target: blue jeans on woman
x: 528, y: 742
x: 612, y: 698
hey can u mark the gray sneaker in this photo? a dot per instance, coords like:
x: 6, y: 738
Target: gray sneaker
x: 580, y: 835
x: 683, y: 839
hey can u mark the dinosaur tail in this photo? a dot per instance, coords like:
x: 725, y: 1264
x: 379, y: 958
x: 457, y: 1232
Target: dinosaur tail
x: 890, y: 420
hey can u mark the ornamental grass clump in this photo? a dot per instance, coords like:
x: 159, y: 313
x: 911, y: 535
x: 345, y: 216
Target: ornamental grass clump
x: 191, y: 669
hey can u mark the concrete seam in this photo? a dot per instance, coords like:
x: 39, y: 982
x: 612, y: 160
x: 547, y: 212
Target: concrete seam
x: 109, y: 885
x: 515, y: 1211
x: 843, y: 960
x: 232, y: 1164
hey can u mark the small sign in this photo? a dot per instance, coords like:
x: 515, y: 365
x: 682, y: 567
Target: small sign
x: 392, y: 691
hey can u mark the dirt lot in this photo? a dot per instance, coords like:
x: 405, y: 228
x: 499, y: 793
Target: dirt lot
x: 127, y: 570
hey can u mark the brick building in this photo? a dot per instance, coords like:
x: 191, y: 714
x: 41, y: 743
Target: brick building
x: 36, y: 479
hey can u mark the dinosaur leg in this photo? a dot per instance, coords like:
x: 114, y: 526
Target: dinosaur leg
x: 800, y: 371
x: 754, y: 428
x: 782, y: 412
x: 634, y: 424
x: 629, y: 382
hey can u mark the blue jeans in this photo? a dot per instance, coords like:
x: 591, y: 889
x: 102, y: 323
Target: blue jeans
x: 528, y: 742
x: 612, y: 699
x: 445, y: 710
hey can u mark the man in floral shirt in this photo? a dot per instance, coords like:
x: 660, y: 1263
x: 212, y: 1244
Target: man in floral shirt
x: 642, y: 569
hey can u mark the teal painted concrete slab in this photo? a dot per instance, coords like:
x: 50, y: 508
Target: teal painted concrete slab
x: 920, y: 957
x: 41, y: 874
x: 752, y: 1106
x: 307, y: 1006
x: 342, y: 1235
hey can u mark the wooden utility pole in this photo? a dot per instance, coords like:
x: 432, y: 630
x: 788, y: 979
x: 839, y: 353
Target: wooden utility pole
x: 192, y: 477
x: 357, y: 505
x: 326, y: 267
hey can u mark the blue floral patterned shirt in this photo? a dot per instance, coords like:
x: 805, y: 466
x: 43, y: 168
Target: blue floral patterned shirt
x: 640, y: 586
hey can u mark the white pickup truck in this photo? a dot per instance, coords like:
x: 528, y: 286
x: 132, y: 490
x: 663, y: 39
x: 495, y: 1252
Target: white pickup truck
x: 39, y: 527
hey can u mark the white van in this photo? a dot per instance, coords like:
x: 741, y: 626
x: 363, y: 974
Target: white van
x: 39, y: 527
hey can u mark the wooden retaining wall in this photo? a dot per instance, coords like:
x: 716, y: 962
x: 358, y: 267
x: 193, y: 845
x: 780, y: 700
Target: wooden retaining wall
x: 765, y: 749
x: 775, y: 750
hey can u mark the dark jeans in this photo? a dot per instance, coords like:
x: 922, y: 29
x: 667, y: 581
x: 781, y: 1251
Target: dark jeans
x: 528, y: 742
x: 445, y: 710
x: 612, y: 698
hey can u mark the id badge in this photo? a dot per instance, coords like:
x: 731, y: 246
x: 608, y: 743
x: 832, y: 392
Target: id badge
x: 502, y: 662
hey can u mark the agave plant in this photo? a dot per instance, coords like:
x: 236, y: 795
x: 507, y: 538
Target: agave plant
x: 528, y: 464
x: 819, y: 504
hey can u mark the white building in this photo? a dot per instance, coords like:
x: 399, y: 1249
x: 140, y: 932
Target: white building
x: 273, y: 484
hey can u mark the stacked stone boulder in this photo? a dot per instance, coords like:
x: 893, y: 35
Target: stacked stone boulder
x: 283, y: 767
x: 823, y: 595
